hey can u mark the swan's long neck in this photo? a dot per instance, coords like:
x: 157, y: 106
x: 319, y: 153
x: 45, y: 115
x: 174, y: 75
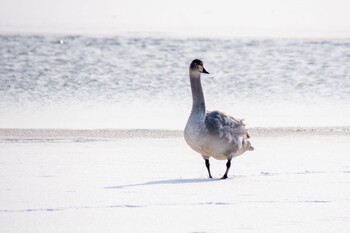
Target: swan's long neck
x: 198, y: 104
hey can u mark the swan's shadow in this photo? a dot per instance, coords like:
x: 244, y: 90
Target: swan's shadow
x: 160, y: 182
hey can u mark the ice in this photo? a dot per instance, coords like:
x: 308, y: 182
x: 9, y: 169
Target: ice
x: 292, y: 182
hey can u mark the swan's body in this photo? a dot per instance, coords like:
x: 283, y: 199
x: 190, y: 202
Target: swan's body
x: 213, y: 134
x: 217, y: 135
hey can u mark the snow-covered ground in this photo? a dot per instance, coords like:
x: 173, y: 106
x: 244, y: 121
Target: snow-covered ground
x: 290, y: 183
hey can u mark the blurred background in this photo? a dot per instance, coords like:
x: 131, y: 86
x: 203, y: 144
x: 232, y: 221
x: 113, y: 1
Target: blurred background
x: 124, y: 64
x: 287, y: 18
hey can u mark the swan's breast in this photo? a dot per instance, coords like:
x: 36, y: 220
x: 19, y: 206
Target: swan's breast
x: 193, y: 135
x: 200, y: 141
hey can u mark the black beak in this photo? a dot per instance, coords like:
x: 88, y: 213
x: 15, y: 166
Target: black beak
x: 205, y: 71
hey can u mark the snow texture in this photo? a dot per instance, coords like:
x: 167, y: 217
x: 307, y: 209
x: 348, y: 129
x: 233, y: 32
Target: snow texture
x: 290, y: 183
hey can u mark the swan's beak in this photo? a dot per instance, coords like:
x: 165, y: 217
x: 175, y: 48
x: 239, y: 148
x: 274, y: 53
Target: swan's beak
x: 205, y: 71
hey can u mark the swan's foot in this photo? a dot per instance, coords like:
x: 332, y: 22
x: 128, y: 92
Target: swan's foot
x: 228, y: 165
x: 207, y: 164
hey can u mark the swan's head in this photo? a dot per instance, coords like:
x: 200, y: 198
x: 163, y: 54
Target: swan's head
x: 197, y: 66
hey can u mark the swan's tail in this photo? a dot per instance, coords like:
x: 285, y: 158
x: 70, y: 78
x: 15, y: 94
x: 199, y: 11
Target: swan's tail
x: 248, y: 145
x: 245, y: 143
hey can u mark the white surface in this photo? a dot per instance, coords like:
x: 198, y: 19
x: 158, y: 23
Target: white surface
x: 288, y: 184
x: 288, y: 18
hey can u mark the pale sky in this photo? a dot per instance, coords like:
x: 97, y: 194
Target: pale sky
x: 290, y: 18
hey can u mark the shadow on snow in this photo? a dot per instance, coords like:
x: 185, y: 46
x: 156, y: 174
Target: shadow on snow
x: 160, y: 182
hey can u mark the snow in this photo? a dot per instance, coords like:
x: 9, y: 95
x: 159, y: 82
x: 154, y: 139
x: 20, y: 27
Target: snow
x: 290, y: 183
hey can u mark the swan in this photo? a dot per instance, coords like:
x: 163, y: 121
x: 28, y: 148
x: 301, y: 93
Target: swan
x: 213, y: 134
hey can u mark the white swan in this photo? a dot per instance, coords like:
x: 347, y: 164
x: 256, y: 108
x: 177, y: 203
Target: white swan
x: 213, y: 134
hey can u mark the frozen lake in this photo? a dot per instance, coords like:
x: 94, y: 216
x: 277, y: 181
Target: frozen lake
x: 153, y: 182
x: 90, y: 126
x: 64, y: 180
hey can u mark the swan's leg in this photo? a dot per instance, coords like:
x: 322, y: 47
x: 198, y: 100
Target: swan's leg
x: 228, y: 165
x: 207, y: 164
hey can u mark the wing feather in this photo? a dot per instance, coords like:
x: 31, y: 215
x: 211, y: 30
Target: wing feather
x: 225, y: 126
